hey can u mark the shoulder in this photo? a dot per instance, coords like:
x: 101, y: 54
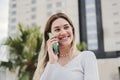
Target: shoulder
x: 88, y: 54
x: 88, y: 58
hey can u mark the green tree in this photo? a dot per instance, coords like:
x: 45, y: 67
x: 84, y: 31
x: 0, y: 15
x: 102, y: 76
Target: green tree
x: 81, y: 46
x: 23, y: 51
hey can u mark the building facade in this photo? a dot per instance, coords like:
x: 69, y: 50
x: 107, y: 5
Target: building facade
x: 99, y: 23
x: 88, y: 19
x: 36, y: 12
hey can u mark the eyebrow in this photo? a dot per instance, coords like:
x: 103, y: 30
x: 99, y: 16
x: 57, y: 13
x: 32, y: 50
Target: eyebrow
x: 59, y: 26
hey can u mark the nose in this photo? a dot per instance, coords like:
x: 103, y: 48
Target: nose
x: 62, y: 32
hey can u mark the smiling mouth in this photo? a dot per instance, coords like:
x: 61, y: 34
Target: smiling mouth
x: 64, y: 38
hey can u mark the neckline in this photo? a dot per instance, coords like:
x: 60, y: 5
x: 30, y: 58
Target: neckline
x: 63, y: 66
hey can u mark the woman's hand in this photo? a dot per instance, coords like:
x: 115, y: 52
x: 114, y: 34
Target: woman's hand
x: 53, y: 57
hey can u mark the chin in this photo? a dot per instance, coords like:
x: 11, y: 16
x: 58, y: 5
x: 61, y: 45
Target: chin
x: 65, y: 44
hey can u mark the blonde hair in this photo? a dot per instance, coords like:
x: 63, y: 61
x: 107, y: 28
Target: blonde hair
x: 43, y: 56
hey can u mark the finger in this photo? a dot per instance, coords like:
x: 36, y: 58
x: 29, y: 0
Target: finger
x: 52, y: 40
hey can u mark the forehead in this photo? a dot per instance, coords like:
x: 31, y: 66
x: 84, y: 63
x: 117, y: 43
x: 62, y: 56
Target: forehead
x: 59, y: 22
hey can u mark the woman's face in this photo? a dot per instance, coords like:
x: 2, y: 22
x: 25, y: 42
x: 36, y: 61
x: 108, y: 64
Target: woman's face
x: 63, y: 31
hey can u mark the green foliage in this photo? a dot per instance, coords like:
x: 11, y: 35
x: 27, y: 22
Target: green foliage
x: 24, y: 50
x: 81, y: 46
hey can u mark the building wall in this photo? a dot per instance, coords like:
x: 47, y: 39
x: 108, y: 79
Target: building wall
x: 108, y: 69
x: 37, y: 12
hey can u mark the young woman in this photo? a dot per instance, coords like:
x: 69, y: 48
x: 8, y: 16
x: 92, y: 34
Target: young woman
x: 70, y: 64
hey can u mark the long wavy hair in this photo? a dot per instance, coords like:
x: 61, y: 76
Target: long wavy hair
x: 43, y: 56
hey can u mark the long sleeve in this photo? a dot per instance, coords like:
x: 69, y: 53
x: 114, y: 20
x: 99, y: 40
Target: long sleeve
x: 82, y: 67
x: 48, y: 71
x: 90, y: 67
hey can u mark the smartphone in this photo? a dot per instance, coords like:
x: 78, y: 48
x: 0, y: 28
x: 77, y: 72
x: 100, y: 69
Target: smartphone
x: 55, y: 45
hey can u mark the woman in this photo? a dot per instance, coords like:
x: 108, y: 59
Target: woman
x: 70, y: 64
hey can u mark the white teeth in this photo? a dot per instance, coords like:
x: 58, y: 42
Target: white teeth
x: 64, y: 38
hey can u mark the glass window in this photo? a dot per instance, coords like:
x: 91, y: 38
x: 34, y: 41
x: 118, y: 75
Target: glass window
x: 91, y: 28
x: 33, y: 16
x: 114, y: 4
x: 116, y: 23
x: 49, y: 6
x: 90, y: 10
x: 12, y: 27
x: 13, y: 20
x: 92, y: 39
x: 92, y: 36
x: 116, y: 13
x: 14, y: 5
x: 33, y: 9
x: 91, y: 18
x: 33, y: 24
x: 58, y: 4
x: 33, y: 1
x: 92, y: 46
x: 89, y: 2
x: 13, y: 12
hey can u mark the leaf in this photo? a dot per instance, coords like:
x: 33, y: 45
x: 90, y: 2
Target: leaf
x: 24, y: 50
x: 81, y: 46
x: 25, y: 76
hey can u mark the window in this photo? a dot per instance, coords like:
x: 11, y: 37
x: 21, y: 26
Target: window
x: 92, y: 46
x: 13, y: 20
x: 92, y: 29
x: 91, y: 36
x: 12, y: 27
x: 13, y: 13
x: 33, y: 24
x: 33, y: 9
x: 91, y: 25
x: 49, y: 6
x: 33, y: 16
x: 116, y: 13
x: 33, y: 1
x: 14, y: 6
x: 58, y: 4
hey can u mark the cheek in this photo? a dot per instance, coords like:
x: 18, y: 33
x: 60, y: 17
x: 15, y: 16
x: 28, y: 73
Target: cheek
x: 71, y: 32
x: 55, y: 33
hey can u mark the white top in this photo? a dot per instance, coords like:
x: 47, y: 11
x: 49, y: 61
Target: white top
x: 82, y: 67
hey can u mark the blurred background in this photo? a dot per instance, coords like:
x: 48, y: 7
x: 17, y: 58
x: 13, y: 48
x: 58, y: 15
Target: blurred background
x: 97, y: 24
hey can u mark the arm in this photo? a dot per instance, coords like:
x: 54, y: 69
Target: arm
x: 47, y: 72
x: 90, y: 67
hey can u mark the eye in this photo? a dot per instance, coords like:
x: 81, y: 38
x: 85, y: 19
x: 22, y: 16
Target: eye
x: 66, y: 27
x: 57, y: 30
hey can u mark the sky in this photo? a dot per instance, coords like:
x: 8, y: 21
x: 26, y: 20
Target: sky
x: 4, y: 6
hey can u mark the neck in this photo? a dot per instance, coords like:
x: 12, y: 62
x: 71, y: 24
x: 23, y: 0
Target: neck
x: 65, y: 49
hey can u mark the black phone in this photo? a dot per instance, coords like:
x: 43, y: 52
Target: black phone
x: 55, y: 45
